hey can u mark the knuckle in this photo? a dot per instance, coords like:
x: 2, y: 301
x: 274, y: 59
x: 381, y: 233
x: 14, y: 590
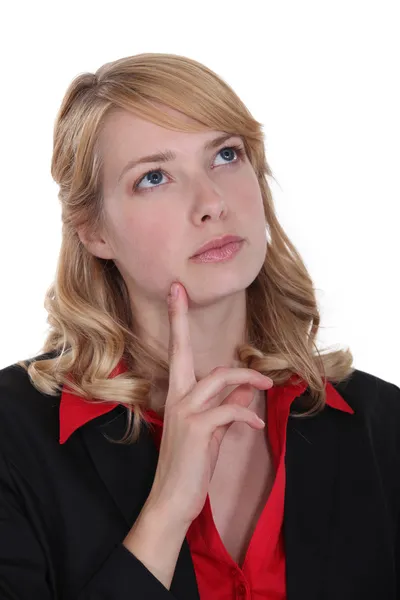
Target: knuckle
x: 255, y: 374
x: 220, y: 370
x: 190, y: 421
x: 187, y: 422
x: 194, y: 426
x: 178, y: 411
x: 172, y: 309
x: 173, y: 347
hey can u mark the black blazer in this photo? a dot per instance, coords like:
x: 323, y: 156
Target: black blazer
x: 65, y: 509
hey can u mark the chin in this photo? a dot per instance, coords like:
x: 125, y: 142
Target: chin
x: 216, y: 284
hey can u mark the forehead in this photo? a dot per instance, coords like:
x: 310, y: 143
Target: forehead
x: 125, y: 130
x: 126, y: 136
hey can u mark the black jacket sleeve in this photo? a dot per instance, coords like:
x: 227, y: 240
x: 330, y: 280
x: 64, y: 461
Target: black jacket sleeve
x: 26, y: 573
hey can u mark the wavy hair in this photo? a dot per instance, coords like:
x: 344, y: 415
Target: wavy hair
x: 91, y: 325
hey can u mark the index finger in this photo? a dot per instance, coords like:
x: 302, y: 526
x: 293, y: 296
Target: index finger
x: 180, y: 354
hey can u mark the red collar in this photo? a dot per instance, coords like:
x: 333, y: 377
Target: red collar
x: 75, y: 411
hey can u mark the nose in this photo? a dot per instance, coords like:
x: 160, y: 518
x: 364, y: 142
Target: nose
x: 208, y: 202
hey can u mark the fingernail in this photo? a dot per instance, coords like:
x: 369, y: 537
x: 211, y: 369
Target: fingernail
x: 174, y: 290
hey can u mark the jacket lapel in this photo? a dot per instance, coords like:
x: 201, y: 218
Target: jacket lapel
x: 312, y: 461
x: 128, y: 473
x: 127, y: 470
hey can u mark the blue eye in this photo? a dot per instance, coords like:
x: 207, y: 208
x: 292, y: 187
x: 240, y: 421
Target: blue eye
x: 154, y: 176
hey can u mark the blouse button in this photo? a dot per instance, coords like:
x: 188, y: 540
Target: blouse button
x: 241, y: 589
x: 233, y: 572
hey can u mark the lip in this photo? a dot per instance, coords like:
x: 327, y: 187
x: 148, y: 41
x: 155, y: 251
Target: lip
x: 218, y: 242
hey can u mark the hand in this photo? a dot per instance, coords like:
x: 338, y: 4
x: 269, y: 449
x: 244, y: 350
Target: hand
x: 196, y: 421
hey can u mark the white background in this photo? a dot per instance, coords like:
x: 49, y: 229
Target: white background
x: 322, y: 77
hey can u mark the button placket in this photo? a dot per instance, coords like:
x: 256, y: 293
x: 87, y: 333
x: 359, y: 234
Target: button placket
x: 241, y: 590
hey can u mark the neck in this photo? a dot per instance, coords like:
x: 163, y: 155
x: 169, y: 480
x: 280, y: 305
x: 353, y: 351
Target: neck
x: 215, y: 331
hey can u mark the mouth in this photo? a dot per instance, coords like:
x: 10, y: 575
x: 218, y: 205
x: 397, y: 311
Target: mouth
x: 221, y: 254
x: 217, y: 243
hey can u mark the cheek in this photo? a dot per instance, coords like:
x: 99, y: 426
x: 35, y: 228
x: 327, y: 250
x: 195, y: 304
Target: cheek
x: 144, y: 247
x: 249, y: 199
x: 251, y: 210
x: 144, y: 241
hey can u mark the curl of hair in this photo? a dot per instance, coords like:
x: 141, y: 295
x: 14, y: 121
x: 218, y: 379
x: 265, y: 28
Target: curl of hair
x: 91, y: 325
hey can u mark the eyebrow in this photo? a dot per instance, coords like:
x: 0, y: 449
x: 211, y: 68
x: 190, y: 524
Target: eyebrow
x: 168, y: 155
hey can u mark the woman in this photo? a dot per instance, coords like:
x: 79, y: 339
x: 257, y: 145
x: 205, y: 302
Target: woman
x: 133, y: 461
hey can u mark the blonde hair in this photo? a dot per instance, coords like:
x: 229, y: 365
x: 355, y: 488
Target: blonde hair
x: 91, y: 325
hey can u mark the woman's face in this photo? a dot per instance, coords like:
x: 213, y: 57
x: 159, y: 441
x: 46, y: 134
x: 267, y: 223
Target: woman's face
x: 156, y: 222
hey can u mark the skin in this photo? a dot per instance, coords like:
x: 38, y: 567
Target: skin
x: 152, y: 232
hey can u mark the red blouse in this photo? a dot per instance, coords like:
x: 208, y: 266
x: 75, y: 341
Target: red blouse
x: 262, y: 575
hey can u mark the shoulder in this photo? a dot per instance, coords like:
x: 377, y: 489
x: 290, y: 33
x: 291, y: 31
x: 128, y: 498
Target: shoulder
x: 25, y: 412
x: 376, y: 404
x: 17, y: 390
x: 369, y: 395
